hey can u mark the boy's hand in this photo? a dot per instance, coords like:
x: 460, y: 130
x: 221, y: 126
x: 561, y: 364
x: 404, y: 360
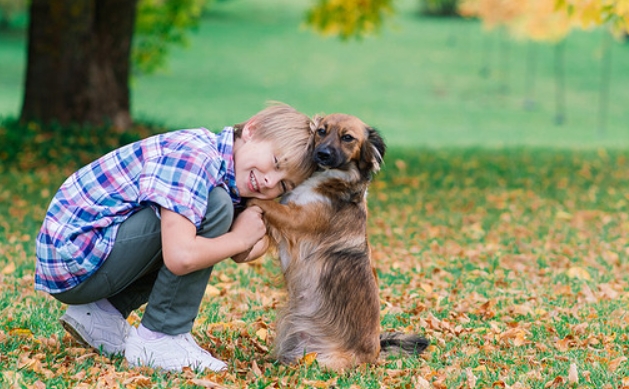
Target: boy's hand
x: 249, y: 226
x: 256, y: 252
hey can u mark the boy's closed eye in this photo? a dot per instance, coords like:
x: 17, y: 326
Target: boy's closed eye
x: 286, y: 186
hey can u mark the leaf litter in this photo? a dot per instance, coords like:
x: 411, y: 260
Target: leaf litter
x: 514, y: 263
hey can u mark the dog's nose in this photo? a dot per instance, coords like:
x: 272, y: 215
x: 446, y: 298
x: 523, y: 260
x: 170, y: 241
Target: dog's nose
x: 323, y: 156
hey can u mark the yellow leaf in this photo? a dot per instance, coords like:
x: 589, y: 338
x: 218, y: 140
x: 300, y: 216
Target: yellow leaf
x: 563, y: 215
x: 262, y: 333
x: 21, y: 332
x: 212, y: 291
x: 9, y: 268
x: 309, y: 358
x: 579, y: 273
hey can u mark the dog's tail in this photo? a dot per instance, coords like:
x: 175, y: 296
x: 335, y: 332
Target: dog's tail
x: 393, y: 343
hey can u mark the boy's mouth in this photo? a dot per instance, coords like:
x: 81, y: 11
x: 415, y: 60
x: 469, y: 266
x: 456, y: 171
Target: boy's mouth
x: 253, y: 183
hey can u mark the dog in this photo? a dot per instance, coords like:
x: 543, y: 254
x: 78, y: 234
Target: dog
x: 320, y: 233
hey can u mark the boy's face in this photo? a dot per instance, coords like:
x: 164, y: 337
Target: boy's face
x: 259, y: 172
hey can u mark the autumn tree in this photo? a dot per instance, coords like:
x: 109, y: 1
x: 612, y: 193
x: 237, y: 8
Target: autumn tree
x: 551, y: 21
x: 79, y: 51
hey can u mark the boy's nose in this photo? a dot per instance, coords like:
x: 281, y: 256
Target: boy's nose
x: 271, y: 180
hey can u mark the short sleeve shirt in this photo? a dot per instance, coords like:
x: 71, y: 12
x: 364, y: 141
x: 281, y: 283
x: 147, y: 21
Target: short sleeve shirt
x: 175, y: 170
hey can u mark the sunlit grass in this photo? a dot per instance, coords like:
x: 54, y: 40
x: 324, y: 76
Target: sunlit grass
x: 513, y: 262
x: 422, y: 81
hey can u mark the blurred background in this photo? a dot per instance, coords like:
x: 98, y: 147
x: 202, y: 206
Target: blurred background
x: 424, y: 72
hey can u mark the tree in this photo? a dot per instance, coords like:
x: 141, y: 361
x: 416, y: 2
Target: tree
x: 78, y: 61
x: 79, y: 51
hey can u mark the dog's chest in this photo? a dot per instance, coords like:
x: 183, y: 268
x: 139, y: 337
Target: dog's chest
x: 306, y: 193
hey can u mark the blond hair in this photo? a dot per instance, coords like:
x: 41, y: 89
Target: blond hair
x: 291, y: 133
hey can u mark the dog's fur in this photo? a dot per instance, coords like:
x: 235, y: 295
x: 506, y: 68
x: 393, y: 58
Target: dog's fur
x: 320, y: 231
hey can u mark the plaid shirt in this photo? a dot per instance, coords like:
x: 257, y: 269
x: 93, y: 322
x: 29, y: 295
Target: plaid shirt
x: 175, y: 170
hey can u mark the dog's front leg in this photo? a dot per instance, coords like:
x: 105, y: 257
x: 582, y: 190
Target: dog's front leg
x: 288, y: 216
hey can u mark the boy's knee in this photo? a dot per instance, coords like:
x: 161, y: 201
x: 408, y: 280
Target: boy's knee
x: 219, y: 215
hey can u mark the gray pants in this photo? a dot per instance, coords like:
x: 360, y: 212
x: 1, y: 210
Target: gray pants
x: 134, y: 273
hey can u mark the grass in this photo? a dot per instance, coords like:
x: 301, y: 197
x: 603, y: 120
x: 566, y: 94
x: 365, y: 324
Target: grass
x: 429, y: 82
x: 513, y: 262
x: 497, y: 234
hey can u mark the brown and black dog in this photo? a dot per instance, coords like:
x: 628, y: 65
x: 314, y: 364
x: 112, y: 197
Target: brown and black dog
x: 320, y: 232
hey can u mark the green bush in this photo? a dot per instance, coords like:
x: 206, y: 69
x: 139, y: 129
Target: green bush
x: 439, y: 7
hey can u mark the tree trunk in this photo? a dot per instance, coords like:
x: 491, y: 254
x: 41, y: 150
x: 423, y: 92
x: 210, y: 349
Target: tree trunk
x: 78, y: 62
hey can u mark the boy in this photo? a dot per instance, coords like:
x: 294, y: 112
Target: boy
x: 146, y: 223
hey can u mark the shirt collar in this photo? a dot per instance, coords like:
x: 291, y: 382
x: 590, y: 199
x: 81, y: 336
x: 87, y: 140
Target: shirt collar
x: 226, y: 149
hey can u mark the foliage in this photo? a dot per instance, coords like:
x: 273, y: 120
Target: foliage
x: 348, y: 18
x: 9, y: 9
x: 513, y: 262
x: 31, y: 145
x: 549, y: 20
x: 439, y: 7
x: 159, y: 24
x: 614, y: 13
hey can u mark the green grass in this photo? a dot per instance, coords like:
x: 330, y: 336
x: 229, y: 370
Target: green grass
x: 513, y: 262
x: 497, y: 234
x: 422, y: 81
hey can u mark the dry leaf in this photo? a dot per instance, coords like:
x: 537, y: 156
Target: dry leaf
x: 558, y: 381
x: 614, y: 364
x: 308, y: 359
x: 211, y: 291
x: 255, y: 369
x: 9, y: 268
x: 205, y: 383
x: 579, y: 273
x: 573, y: 374
x: 421, y: 383
x: 262, y: 334
x: 470, y: 378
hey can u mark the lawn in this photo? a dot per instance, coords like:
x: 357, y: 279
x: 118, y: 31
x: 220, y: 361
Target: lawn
x: 422, y: 81
x: 497, y: 234
x: 512, y: 262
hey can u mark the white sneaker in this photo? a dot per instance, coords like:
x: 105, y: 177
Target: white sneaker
x: 92, y: 326
x: 170, y: 352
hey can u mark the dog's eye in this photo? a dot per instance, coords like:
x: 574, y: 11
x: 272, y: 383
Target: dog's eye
x: 347, y: 138
x: 321, y: 131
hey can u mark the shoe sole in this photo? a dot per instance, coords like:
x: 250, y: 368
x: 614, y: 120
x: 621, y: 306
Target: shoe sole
x: 69, y: 325
x: 73, y: 328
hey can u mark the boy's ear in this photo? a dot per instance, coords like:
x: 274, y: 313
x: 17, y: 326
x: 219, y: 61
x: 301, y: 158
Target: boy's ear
x: 248, y: 130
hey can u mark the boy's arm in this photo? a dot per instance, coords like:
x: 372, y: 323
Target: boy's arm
x: 184, y: 251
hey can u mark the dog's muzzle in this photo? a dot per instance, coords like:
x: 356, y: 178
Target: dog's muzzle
x: 326, y: 157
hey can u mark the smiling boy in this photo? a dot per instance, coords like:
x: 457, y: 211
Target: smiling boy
x: 146, y: 223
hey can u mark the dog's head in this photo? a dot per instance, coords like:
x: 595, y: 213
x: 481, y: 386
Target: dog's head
x: 342, y: 140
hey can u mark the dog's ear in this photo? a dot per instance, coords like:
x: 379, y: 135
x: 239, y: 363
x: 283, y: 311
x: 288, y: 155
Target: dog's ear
x: 377, y: 143
x: 314, y: 123
x: 372, y: 153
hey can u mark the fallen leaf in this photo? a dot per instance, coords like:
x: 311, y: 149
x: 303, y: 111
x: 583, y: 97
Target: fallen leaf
x: 470, y: 378
x: 579, y: 273
x: 308, y: 359
x: 614, y: 364
x: 262, y: 334
x: 205, y: 383
x: 573, y: 374
x: 212, y: 291
x: 421, y: 383
x: 9, y: 268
